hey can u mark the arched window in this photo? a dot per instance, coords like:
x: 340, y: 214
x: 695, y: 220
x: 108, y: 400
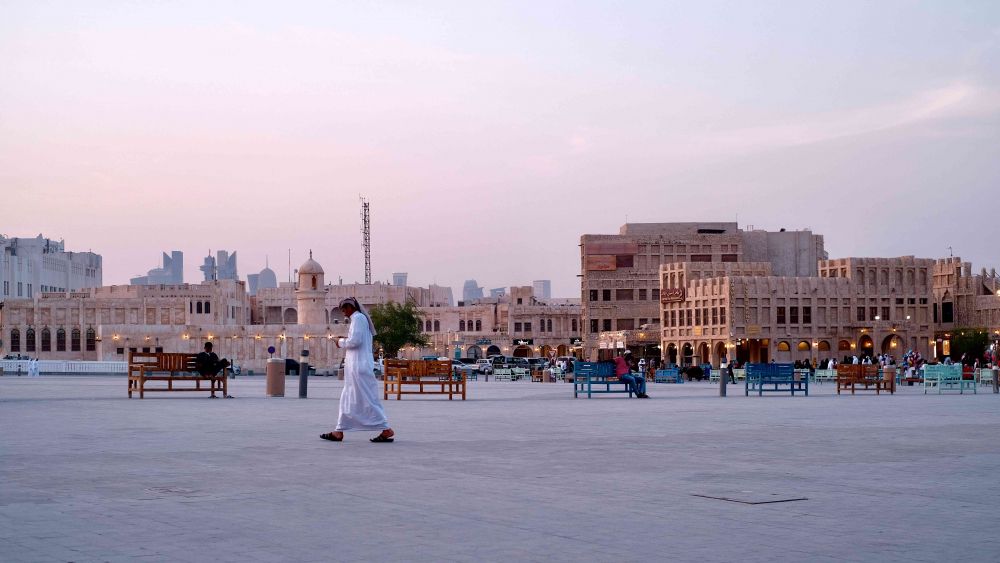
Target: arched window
x: 923, y: 277
x: 843, y: 345
x: 91, y: 340
x: 427, y: 326
x: 61, y: 340
x: 574, y: 325
x: 861, y: 276
x: 824, y: 346
x: 15, y: 340
x: 783, y: 346
x: 208, y: 307
x: 191, y: 307
x: 46, y: 340
x: 909, y: 278
x: 885, y: 277
x: 198, y: 308
x: 461, y: 325
x: 899, y: 278
x: 314, y: 282
x: 803, y: 346
x: 549, y: 329
x: 29, y: 340
x: 74, y: 340
x: 479, y: 326
x: 437, y: 326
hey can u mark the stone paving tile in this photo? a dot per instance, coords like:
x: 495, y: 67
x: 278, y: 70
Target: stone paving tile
x: 518, y: 472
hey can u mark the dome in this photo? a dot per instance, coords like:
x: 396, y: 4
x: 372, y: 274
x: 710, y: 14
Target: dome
x: 310, y: 266
x: 267, y: 279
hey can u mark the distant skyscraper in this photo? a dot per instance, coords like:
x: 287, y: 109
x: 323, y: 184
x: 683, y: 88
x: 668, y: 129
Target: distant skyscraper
x: 542, y: 288
x: 266, y: 279
x: 471, y: 291
x: 171, y: 273
x: 498, y: 292
x: 221, y: 267
x: 399, y: 279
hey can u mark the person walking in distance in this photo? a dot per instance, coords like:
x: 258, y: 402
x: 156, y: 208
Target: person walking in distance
x: 360, y: 407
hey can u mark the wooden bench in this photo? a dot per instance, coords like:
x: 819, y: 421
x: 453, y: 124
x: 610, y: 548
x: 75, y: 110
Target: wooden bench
x: 170, y: 367
x: 774, y: 378
x: 858, y: 377
x: 422, y: 377
x: 947, y: 378
x: 597, y: 377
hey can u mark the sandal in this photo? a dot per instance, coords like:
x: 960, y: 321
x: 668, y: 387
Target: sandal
x: 381, y: 438
x: 330, y: 436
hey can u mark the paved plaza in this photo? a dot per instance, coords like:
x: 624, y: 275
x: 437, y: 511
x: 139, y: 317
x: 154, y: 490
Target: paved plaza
x: 520, y: 471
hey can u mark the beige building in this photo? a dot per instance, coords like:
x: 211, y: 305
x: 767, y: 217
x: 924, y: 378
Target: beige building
x: 620, y: 281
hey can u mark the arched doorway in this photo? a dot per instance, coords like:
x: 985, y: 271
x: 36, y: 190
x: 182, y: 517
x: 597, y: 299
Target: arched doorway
x: 783, y: 352
x: 492, y: 351
x: 703, y: 353
x: 893, y: 345
x: 562, y: 350
x: 843, y: 346
x: 671, y: 354
x: 290, y: 317
x: 824, y: 345
x: 720, y: 353
x: 866, y: 346
x: 522, y: 352
x: 687, y: 354
x: 474, y: 352
x: 547, y: 352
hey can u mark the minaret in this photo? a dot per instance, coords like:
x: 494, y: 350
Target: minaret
x: 311, y: 293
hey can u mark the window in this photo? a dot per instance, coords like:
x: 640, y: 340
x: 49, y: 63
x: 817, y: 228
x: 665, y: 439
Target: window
x: 60, y: 340
x: 549, y: 327
x: 593, y: 295
x: 947, y: 312
x: 861, y: 313
x: 461, y: 325
x: 208, y: 307
x: 899, y: 301
x: 517, y: 327
x: 656, y: 294
x: 15, y: 340
x: 729, y: 258
x: 198, y: 309
x: 191, y: 307
x: 688, y: 317
x: 479, y: 326
x: 314, y: 282
x: 642, y: 322
x: 701, y: 257
x: 783, y: 346
x: 520, y: 301
x: 872, y: 313
x: 642, y: 294
x: 541, y: 325
x: 46, y: 340
x: 803, y: 346
x: 624, y: 261
x: 593, y: 326
x: 120, y: 351
x: 923, y: 300
x: 437, y: 326
x: 527, y: 327
x: 781, y: 315
x: 606, y: 295
x: 91, y: 340
x: 807, y: 315
x: 794, y: 314
x: 624, y: 295
x: 715, y: 315
x: 607, y: 324
x: 697, y: 316
x: 722, y: 315
x: 626, y: 324
x: 74, y: 340
x: 885, y: 313
x: 19, y: 289
x: 573, y: 325
x: 29, y: 340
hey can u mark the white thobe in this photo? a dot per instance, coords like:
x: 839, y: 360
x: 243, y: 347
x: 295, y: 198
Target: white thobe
x: 360, y: 407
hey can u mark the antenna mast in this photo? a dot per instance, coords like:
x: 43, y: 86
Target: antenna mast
x: 366, y: 238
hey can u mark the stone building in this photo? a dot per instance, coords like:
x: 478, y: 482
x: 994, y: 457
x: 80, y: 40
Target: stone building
x: 29, y: 266
x: 620, y: 280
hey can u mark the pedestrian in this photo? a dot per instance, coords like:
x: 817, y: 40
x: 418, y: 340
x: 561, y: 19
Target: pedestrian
x: 360, y: 407
x: 624, y: 372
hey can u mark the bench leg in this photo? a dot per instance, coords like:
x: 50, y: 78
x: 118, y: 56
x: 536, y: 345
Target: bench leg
x: 142, y: 387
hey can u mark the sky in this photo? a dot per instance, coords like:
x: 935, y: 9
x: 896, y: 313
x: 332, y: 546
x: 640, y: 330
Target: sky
x: 489, y: 137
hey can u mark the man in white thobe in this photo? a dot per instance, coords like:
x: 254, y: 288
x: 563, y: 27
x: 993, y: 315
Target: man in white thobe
x: 360, y: 407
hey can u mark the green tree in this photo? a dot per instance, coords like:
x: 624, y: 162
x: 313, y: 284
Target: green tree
x: 398, y: 325
x: 970, y: 341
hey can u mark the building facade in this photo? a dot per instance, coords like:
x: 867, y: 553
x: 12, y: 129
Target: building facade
x: 30, y: 266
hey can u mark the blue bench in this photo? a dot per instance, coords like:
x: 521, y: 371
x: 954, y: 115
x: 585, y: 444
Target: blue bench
x: 946, y: 378
x: 774, y: 378
x: 668, y: 375
x: 597, y: 377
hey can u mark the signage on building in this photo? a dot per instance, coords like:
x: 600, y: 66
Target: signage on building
x: 484, y: 341
x: 601, y: 263
x: 576, y: 341
x: 674, y: 295
x: 524, y: 341
x: 753, y: 330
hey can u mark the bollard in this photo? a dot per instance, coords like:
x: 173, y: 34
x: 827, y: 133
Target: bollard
x: 723, y: 380
x: 996, y: 380
x: 304, y: 374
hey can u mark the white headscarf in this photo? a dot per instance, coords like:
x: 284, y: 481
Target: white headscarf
x: 361, y: 309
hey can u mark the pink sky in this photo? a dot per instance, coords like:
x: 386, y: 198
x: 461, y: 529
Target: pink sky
x: 489, y: 139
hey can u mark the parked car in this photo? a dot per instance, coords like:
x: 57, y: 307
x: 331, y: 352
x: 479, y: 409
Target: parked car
x: 468, y: 369
x: 538, y: 363
x: 485, y: 366
x: 520, y: 363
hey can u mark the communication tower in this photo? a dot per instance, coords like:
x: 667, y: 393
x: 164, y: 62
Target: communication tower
x: 366, y: 239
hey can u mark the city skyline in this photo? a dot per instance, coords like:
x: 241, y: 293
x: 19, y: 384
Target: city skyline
x: 489, y: 139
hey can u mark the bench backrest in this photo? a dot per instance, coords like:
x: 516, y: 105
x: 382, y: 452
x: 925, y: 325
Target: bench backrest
x: 770, y: 370
x: 397, y: 368
x: 594, y: 369
x: 942, y: 371
x: 164, y: 361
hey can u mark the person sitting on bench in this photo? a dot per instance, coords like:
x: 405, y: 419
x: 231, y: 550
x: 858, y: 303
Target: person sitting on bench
x: 208, y: 364
x: 624, y: 372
